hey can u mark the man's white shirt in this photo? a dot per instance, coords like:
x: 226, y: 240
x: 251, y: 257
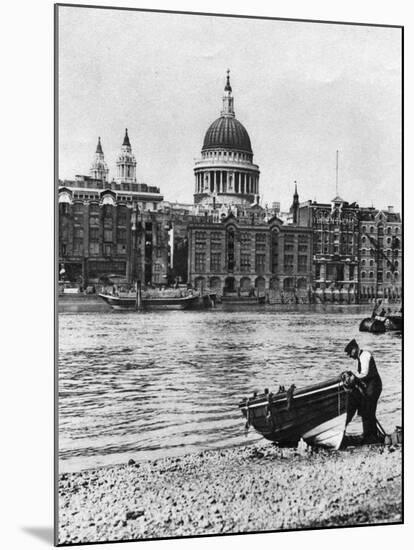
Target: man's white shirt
x: 364, y: 359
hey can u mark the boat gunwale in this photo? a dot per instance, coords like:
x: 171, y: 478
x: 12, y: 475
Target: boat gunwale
x: 263, y: 399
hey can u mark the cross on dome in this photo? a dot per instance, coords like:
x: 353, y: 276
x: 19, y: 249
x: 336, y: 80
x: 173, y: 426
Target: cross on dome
x: 228, y: 87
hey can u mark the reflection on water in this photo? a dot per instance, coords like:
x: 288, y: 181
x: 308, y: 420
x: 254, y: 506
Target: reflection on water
x: 164, y: 383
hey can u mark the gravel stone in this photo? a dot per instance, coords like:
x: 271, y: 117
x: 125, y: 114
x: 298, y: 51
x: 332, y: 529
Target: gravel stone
x: 246, y: 489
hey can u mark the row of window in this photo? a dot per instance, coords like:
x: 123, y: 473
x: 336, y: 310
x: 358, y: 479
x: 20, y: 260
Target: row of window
x: 94, y: 234
x: 380, y: 229
x: 373, y: 252
x: 390, y: 240
x: 229, y: 154
x: 245, y: 262
x: 85, y: 196
x: 329, y: 237
x: 372, y: 262
x: 260, y: 245
x: 336, y: 249
x: 245, y: 237
x: 95, y: 219
x: 388, y: 275
x: 95, y: 248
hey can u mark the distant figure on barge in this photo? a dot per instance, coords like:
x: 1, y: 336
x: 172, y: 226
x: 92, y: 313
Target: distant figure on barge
x: 370, y: 385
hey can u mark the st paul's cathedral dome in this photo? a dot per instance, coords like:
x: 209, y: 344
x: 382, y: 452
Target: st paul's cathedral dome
x: 225, y: 174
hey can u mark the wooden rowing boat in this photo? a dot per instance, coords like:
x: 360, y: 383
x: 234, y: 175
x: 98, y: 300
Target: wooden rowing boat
x: 317, y: 414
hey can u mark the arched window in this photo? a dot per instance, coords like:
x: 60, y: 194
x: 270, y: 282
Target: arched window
x: 396, y: 230
x: 363, y: 262
x: 363, y: 228
x: 363, y: 240
x: 363, y: 274
x: 388, y: 230
x: 371, y: 263
x: 371, y: 274
x: 396, y: 276
x: 388, y: 275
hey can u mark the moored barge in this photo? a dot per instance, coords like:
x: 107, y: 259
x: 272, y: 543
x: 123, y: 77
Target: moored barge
x: 129, y: 303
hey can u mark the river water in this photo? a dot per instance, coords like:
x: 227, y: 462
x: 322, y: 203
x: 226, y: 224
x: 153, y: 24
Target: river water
x: 148, y: 385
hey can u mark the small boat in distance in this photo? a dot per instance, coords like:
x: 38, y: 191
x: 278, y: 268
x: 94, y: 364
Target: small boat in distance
x: 379, y: 324
x: 129, y: 303
x: 394, y: 322
x: 383, y: 321
x: 317, y: 414
x: 372, y: 324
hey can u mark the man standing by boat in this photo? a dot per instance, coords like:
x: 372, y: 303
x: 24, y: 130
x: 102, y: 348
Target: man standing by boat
x: 371, y: 385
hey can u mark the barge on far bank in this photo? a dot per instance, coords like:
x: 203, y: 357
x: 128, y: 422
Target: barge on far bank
x: 129, y: 303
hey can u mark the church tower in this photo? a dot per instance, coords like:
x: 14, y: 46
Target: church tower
x: 295, y: 205
x: 126, y: 163
x: 99, y: 169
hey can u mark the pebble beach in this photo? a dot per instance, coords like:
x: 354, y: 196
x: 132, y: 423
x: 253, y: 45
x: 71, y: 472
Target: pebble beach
x: 258, y: 487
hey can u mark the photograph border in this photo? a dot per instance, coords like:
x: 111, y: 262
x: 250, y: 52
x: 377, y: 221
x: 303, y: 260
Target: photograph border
x: 56, y: 7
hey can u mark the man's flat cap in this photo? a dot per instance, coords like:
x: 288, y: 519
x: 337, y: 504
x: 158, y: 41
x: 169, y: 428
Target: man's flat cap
x: 351, y: 345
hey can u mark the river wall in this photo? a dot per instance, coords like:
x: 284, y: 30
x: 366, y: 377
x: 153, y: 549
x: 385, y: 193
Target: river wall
x: 81, y: 303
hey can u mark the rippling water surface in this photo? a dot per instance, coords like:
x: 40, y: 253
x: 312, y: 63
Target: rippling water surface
x: 145, y: 385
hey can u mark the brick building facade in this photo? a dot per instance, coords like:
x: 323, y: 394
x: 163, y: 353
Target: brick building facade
x: 380, y: 255
x: 335, y: 248
x: 112, y: 229
x: 225, y: 241
x: 357, y: 251
x: 250, y: 254
x: 107, y: 239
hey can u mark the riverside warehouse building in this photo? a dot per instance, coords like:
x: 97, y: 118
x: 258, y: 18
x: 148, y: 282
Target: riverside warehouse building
x: 225, y: 241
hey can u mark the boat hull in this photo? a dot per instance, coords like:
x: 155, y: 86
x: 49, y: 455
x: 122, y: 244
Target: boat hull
x: 316, y: 414
x: 389, y: 323
x: 119, y: 303
x: 328, y: 434
x: 372, y: 325
x: 394, y: 322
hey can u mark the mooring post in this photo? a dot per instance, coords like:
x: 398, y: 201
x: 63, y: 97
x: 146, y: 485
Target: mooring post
x: 138, y: 296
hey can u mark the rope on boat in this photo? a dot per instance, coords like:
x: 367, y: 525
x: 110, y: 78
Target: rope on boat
x: 289, y: 396
x: 339, y: 399
x: 247, y: 425
x: 269, y: 418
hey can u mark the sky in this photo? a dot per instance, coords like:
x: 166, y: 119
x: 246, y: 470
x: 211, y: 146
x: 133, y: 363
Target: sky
x: 302, y: 91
